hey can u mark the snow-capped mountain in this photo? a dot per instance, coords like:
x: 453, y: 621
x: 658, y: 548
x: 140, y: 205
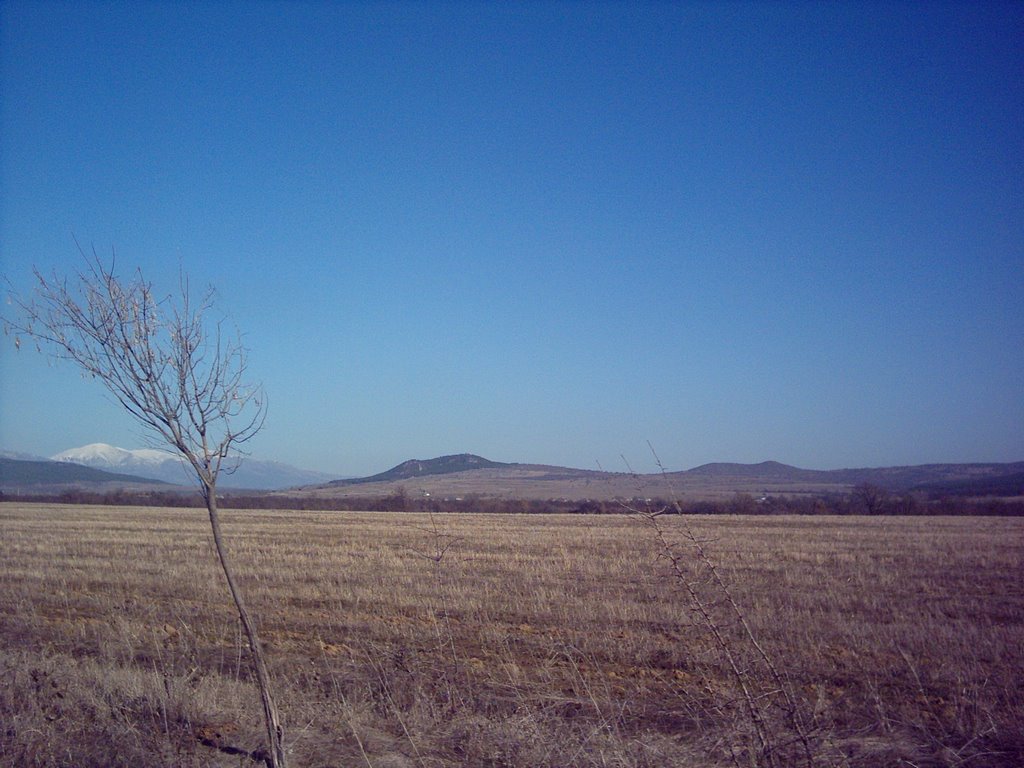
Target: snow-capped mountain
x: 169, y: 467
x: 110, y: 457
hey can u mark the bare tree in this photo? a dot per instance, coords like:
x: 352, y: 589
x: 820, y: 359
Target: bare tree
x: 871, y: 498
x: 171, y: 368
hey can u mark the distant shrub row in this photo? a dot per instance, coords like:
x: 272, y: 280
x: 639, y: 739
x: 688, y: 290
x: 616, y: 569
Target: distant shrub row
x: 864, y: 500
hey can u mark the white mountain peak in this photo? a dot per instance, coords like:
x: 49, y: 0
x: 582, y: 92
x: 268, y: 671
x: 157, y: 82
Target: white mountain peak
x: 103, y: 454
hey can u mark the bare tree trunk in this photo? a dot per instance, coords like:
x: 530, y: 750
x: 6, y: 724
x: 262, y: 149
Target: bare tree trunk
x: 275, y: 758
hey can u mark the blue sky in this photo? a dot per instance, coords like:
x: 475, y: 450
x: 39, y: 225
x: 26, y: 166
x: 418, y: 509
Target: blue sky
x: 543, y: 232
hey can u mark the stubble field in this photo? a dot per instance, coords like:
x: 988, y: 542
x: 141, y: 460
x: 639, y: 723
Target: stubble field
x: 411, y: 640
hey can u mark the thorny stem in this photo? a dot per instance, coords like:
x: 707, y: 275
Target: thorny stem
x: 752, y: 701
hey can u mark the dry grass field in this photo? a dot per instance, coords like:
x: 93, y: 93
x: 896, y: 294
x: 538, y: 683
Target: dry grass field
x: 405, y: 640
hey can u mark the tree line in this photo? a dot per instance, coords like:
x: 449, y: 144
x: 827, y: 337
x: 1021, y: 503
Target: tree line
x: 862, y: 500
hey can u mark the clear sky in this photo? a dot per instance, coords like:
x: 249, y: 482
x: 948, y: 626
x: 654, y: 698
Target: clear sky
x: 543, y: 232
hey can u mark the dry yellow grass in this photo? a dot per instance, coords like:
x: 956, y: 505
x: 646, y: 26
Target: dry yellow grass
x: 502, y: 640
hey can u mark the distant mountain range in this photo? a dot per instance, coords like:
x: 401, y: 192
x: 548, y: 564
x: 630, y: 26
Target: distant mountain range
x: 465, y: 474
x: 101, y: 465
x: 25, y: 475
x: 147, y: 464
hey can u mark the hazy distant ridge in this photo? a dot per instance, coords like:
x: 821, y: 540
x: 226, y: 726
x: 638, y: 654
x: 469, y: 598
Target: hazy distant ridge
x: 772, y: 469
x: 442, y: 465
x: 887, y: 477
x: 20, y: 472
x: 169, y: 468
x: 467, y: 474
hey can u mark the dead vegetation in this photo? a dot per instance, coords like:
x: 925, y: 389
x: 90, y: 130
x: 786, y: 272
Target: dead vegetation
x: 411, y: 640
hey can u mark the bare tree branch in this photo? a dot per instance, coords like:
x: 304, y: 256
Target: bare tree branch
x: 180, y: 377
